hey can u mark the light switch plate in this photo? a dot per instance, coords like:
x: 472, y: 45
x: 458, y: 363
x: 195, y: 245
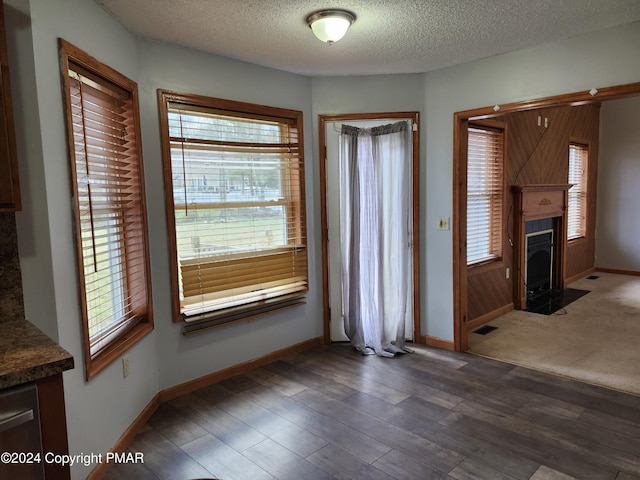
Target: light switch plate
x: 443, y: 223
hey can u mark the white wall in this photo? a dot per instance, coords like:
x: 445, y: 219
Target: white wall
x: 33, y: 221
x: 184, y: 358
x: 98, y: 412
x: 375, y: 94
x: 607, y: 58
x: 618, y: 221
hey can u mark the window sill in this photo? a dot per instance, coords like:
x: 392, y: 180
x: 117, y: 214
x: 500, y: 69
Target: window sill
x: 485, y: 266
x: 576, y: 241
x: 242, y: 313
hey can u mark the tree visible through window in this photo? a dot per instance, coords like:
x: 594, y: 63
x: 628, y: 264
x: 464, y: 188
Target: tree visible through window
x: 108, y: 189
x: 485, y: 164
x: 236, y: 210
x: 577, y: 201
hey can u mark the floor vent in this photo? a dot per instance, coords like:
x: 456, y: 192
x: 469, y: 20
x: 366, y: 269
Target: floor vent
x: 485, y: 329
x: 593, y: 277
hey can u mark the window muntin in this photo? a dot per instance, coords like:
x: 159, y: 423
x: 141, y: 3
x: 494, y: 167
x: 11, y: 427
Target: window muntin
x: 237, y: 213
x: 577, y: 195
x: 110, y: 222
x: 485, y: 192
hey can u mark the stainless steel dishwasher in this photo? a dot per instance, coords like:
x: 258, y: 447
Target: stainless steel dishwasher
x: 20, y: 439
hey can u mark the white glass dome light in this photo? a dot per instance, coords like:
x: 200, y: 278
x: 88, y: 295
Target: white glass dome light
x: 330, y: 25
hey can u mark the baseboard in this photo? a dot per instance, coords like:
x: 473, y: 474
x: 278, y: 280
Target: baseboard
x: 487, y: 317
x: 215, y: 377
x: 580, y: 275
x: 618, y: 271
x: 436, y: 342
x: 123, y: 442
x: 191, y: 386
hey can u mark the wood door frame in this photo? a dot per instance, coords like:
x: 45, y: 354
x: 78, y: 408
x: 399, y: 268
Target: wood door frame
x: 459, y: 215
x: 322, y: 156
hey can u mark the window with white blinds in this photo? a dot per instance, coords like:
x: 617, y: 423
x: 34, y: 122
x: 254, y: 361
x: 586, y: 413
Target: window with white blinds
x: 577, y: 201
x: 108, y: 190
x: 234, y: 172
x: 485, y: 192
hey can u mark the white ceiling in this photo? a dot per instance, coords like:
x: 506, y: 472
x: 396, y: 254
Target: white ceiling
x: 389, y: 36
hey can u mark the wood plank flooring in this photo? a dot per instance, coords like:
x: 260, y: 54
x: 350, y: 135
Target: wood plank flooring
x: 330, y: 413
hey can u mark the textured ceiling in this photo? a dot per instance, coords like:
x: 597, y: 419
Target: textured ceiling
x: 389, y: 36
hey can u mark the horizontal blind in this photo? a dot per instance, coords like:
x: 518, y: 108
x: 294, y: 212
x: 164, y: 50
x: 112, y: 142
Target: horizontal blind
x: 237, y: 185
x: 109, y: 206
x: 485, y: 163
x: 577, y: 196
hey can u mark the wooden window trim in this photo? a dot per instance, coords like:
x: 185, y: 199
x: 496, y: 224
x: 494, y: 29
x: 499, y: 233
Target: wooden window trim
x: 293, y: 118
x: 138, y: 283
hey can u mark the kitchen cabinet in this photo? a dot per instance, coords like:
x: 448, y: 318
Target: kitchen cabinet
x: 9, y: 182
x: 29, y: 357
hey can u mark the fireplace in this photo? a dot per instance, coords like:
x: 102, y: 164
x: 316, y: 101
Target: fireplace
x: 540, y: 227
x: 539, y: 265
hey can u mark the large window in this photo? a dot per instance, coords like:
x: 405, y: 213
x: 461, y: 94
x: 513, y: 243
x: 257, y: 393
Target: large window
x: 235, y: 203
x: 108, y: 190
x: 577, y: 206
x: 485, y: 192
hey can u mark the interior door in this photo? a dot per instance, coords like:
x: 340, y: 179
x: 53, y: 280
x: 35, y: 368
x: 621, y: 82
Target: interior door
x: 332, y: 141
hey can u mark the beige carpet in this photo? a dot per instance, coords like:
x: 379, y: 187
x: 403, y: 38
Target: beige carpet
x: 595, y: 339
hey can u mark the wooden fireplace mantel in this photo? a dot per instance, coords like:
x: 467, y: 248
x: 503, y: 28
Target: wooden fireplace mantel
x: 534, y: 202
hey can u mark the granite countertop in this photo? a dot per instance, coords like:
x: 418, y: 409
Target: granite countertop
x: 27, y: 354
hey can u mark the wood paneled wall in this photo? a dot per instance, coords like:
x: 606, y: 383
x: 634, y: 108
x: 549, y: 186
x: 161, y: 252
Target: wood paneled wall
x: 536, y: 154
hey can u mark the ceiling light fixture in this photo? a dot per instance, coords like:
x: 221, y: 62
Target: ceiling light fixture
x: 330, y: 25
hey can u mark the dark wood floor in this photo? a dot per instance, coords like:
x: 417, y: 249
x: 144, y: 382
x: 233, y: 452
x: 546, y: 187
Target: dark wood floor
x: 331, y: 413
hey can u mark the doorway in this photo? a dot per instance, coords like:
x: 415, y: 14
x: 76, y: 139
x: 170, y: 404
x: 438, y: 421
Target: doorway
x: 329, y: 133
x: 463, y: 324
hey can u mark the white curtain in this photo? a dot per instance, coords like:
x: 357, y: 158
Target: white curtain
x: 375, y: 213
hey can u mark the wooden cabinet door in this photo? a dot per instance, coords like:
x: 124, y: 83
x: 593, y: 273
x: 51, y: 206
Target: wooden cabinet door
x: 9, y: 184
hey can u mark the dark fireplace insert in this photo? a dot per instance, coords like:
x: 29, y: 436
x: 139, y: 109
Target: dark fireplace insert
x: 540, y: 263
